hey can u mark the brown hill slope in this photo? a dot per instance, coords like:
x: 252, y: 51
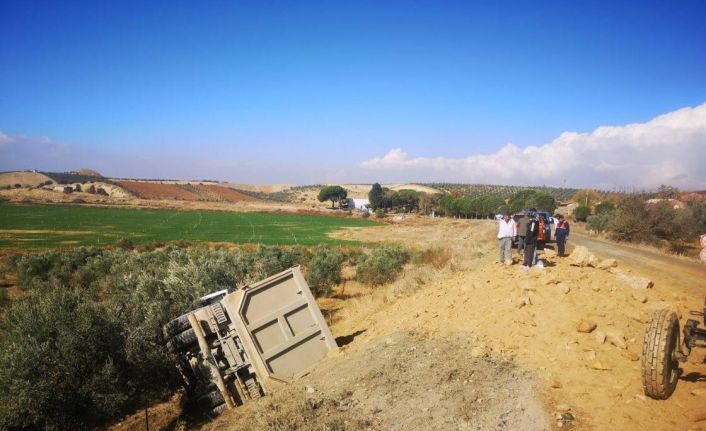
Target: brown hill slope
x: 32, y: 179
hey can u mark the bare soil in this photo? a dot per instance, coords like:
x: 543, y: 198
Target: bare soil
x: 150, y: 190
x: 398, y: 382
x: 225, y: 193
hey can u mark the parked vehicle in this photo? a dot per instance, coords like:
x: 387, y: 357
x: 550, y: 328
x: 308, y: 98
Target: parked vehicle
x: 232, y: 347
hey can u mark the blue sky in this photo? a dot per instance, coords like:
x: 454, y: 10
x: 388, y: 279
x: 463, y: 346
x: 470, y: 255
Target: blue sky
x: 308, y: 92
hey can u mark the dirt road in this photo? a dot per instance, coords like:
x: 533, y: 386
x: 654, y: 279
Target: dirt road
x: 688, y: 273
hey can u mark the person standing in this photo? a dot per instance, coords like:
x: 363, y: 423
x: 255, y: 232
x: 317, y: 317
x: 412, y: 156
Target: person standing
x: 561, y: 234
x: 521, y: 232
x: 506, y: 232
x: 531, y: 239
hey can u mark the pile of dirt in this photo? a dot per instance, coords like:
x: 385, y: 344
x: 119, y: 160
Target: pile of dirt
x: 404, y: 381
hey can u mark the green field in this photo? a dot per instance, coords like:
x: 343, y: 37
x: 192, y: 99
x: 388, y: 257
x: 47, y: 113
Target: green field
x: 48, y: 226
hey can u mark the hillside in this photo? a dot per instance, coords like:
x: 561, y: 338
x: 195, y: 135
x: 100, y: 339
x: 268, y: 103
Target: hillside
x: 504, y: 192
x: 25, y: 179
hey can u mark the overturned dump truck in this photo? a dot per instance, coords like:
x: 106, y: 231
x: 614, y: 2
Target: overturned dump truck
x: 237, y: 344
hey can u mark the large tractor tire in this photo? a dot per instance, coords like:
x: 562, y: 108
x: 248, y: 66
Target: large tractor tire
x: 660, y: 369
x: 182, y: 341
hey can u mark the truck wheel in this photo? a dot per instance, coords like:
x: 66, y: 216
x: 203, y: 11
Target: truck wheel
x: 175, y: 326
x: 182, y: 341
x: 211, y: 414
x: 660, y: 369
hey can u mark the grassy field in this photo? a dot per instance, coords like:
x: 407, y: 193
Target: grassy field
x: 47, y: 226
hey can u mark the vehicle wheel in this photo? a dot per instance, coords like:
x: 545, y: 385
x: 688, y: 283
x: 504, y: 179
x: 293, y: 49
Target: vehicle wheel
x: 211, y: 414
x: 182, y: 341
x: 660, y: 369
x: 210, y: 400
x: 175, y: 326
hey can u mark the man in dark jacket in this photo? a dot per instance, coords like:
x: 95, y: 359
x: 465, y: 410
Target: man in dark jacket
x: 561, y: 234
x: 521, y: 232
x: 531, y: 239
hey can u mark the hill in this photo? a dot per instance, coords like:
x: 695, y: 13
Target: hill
x: 32, y: 179
x: 87, y: 172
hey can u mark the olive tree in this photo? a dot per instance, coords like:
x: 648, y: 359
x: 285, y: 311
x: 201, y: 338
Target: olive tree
x: 333, y: 194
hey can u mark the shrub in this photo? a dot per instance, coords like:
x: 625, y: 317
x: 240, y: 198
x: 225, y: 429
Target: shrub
x: 324, y: 271
x: 68, y: 190
x: 629, y: 223
x: 382, y: 265
x: 366, y: 214
x: 604, y: 207
x: 437, y: 257
x: 380, y: 213
x: 125, y: 244
x: 581, y: 213
x: 61, y: 362
x: 600, y: 222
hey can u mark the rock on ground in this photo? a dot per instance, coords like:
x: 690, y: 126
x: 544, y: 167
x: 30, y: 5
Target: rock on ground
x: 586, y: 326
x: 582, y: 257
x: 607, y: 264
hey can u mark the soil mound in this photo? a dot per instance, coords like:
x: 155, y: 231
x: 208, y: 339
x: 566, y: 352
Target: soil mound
x: 404, y: 381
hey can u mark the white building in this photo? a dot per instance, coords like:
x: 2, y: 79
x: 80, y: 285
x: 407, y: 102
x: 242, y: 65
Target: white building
x: 359, y: 204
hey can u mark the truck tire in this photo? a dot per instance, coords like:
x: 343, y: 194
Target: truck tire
x: 214, y: 412
x: 660, y: 369
x: 175, y: 326
x: 210, y: 400
x: 182, y: 341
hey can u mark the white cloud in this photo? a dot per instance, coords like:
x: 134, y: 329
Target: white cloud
x: 5, y: 139
x: 669, y: 149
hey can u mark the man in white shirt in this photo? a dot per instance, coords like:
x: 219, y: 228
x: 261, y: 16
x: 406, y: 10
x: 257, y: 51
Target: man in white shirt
x: 507, y: 230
